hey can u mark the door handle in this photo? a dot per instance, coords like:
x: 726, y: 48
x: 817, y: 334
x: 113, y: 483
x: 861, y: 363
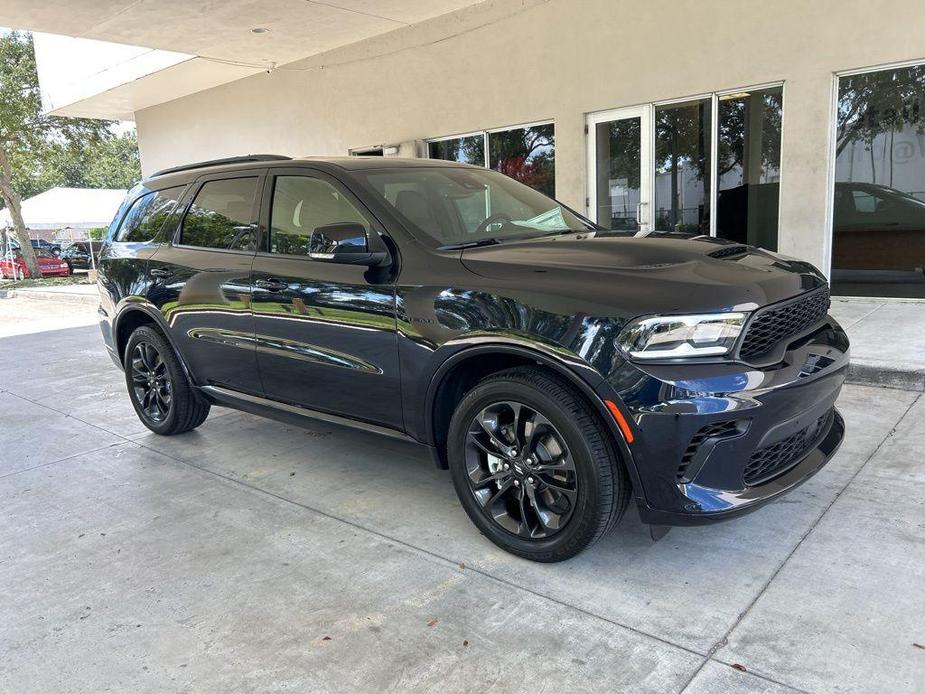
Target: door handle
x: 271, y: 285
x: 160, y: 272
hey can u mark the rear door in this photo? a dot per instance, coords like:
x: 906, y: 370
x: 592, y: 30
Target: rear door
x: 202, y: 284
x: 326, y: 333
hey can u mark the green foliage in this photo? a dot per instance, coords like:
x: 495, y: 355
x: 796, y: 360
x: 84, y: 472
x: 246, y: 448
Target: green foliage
x: 96, y: 233
x: 46, y: 151
x: 874, y: 103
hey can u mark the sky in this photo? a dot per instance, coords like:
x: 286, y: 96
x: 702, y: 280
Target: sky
x: 118, y: 127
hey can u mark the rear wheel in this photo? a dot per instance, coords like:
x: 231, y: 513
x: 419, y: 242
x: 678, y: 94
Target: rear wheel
x: 533, y: 467
x: 161, y: 394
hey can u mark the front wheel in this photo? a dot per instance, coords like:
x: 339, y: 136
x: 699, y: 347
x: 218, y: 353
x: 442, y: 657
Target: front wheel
x: 161, y: 394
x: 533, y: 467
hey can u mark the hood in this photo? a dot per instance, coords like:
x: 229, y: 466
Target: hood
x: 646, y: 275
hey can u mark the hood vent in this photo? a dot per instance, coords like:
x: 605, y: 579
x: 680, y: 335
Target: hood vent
x: 728, y: 251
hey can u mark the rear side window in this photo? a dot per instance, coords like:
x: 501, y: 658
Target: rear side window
x: 301, y: 204
x: 222, y: 216
x: 147, y: 215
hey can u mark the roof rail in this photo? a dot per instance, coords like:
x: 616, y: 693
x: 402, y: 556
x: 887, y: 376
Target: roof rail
x: 227, y: 160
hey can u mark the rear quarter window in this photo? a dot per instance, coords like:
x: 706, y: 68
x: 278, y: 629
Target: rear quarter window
x: 147, y: 215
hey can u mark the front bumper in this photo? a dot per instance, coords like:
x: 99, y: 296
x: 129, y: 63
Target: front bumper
x: 719, y: 440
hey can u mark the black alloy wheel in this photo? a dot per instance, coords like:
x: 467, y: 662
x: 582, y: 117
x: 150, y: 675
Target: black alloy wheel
x: 533, y: 465
x: 520, y: 470
x: 151, y: 382
x: 162, y: 395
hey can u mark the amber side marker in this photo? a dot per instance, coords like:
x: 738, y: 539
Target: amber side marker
x: 621, y: 420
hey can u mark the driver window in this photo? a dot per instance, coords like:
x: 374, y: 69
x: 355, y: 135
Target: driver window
x: 300, y: 205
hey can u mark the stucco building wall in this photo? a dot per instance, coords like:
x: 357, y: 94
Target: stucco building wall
x: 511, y: 61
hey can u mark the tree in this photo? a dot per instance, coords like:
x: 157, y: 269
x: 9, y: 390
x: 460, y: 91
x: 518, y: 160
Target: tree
x: 28, y: 136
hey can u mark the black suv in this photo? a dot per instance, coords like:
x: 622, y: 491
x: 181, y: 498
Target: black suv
x: 77, y: 255
x: 556, y: 368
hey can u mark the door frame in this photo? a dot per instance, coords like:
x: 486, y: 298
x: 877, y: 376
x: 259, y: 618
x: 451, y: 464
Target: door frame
x: 645, y: 113
x: 648, y: 142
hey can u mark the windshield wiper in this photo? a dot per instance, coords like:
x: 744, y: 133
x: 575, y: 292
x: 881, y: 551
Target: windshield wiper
x: 470, y: 244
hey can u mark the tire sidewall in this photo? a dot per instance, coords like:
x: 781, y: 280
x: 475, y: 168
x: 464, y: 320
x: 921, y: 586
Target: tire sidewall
x: 146, y: 334
x: 583, y: 524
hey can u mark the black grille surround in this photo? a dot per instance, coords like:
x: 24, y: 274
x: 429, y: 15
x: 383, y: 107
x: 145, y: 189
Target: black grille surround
x: 716, y: 430
x: 772, y: 461
x: 772, y: 326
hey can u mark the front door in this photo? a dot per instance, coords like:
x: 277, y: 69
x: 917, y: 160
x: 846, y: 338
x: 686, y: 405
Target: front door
x: 619, y: 169
x: 325, y: 333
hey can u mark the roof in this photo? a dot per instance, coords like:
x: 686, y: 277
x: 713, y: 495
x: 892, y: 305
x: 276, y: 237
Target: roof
x: 69, y: 207
x: 180, y: 175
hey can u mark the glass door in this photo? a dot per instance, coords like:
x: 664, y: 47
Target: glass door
x: 619, y: 169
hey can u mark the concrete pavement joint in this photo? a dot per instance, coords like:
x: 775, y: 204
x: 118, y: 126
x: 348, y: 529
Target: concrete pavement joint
x: 415, y: 549
x: 725, y: 639
x: 64, y: 459
x: 66, y: 414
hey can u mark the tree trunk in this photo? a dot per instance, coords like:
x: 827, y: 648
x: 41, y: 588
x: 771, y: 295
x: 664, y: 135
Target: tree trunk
x: 12, y: 200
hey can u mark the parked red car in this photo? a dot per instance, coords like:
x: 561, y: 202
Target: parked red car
x: 49, y: 265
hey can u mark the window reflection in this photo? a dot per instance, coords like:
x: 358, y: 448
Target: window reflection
x: 222, y: 216
x: 301, y: 204
x: 879, y: 206
x: 748, y: 166
x: 618, y: 173
x: 682, y: 167
x: 464, y: 150
x: 527, y: 155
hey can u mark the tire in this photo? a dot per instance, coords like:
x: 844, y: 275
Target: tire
x: 561, y: 491
x: 173, y: 406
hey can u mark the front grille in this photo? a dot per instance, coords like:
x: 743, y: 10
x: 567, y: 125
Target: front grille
x: 728, y: 251
x: 767, y: 463
x: 770, y: 327
x: 715, y: 430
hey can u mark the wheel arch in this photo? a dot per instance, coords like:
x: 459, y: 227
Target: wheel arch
x: 461, y: 370
x: 133, y: 316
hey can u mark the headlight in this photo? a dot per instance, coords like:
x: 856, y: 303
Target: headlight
x: 670, y: 337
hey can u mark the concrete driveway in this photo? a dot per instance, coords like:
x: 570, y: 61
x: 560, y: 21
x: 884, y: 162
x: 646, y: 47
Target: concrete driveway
x: 249, y: 555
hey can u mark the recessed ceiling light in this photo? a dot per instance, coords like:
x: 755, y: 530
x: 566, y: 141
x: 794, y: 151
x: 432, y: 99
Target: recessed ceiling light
x: 259, y: 30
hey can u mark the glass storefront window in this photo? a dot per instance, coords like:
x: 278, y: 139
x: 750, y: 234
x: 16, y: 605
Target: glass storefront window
x: 748, y: 166
x: 682, y: 167
x: 527, y: 155
x: 465, y: 150
x: 878, y: 241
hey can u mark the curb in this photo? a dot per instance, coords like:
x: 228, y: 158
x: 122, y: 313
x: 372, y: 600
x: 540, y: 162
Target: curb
x: 885, y: 377
x: 38, y: 295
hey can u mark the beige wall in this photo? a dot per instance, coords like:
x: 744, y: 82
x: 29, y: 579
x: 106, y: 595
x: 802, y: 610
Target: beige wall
x: 512, y: 61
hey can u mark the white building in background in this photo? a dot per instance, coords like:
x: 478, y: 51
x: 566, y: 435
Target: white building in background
x: 67, y: 214
x: 755, y: 89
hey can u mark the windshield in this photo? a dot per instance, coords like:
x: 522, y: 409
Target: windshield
x: 467, y: 205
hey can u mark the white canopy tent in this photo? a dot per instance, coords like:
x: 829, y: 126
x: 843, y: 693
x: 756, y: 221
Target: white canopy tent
x: 71, y: 210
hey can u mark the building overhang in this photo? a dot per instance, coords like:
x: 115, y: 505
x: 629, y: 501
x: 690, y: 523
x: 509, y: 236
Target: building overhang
x: 111, y: 58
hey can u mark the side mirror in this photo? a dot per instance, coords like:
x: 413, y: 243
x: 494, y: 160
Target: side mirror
x: 344, y: 243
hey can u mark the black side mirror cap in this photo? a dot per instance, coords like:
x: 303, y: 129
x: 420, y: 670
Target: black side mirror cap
x: 345, y: 243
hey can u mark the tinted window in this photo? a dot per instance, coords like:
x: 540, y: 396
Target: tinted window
x: 222, y: 216
x: 300, y: 205
x: 748, y: 166
x: 147, y: 215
